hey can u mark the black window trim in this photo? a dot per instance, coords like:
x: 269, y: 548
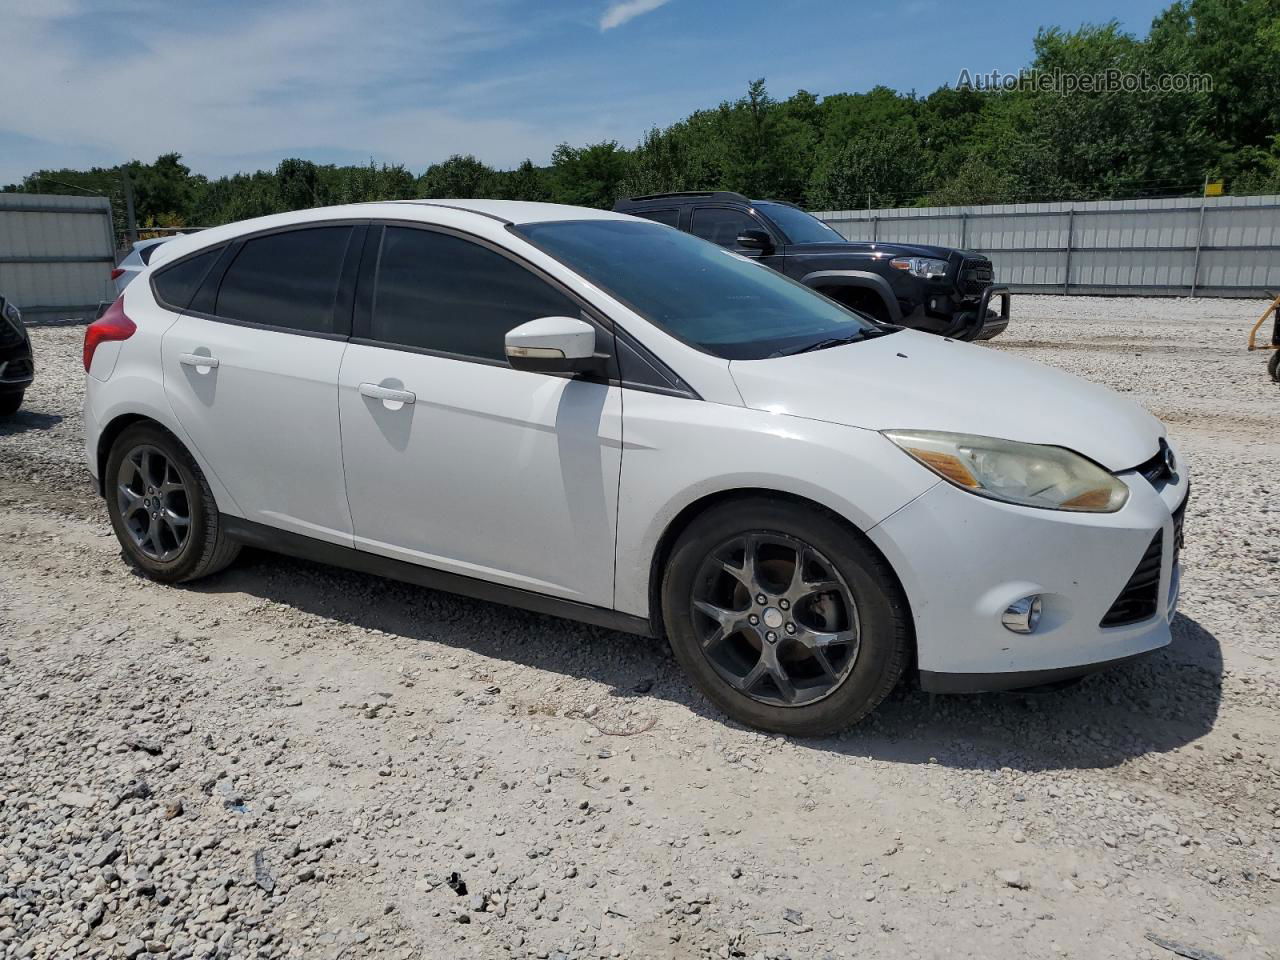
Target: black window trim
x: 232, y: 248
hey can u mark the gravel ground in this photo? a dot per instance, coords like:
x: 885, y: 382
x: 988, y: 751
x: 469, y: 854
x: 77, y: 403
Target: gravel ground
x: 293, y: 761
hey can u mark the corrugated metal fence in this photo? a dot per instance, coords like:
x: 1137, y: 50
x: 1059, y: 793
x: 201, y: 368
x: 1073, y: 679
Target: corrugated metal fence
x: 56, y: 254
x: 1220, y: 247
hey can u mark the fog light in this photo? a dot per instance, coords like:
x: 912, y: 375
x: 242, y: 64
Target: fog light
x: 1022, y: 616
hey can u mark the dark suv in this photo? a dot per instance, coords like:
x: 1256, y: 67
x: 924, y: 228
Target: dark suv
x: 16, y: 367
x: 936, y: 289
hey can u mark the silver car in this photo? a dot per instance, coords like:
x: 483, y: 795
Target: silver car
x: 135, y: 262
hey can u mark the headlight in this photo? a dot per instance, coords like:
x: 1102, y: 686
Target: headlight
x: 1026, y: 473
x: 920, y: 266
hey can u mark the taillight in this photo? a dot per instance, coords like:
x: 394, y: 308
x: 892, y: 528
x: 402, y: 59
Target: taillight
x: 117, y: 273
x: 112, y: 325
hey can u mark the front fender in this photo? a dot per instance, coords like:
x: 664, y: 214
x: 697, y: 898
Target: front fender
x: 677, y: 452
x: 857, y: 278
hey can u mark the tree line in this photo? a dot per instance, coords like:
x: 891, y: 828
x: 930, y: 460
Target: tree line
x: 957, y: 145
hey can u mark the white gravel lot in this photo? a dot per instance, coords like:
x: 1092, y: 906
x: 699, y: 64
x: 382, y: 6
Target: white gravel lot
x: 291, y: 761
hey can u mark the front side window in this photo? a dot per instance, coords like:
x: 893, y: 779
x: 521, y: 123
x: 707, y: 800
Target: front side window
x: 443, y: 293
x: 714, y: 299
x: 722, y: 225
x: 286, y: 280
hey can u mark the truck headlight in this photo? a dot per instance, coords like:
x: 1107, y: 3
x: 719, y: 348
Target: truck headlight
x: 1030, y: 474
x: 920, y: 266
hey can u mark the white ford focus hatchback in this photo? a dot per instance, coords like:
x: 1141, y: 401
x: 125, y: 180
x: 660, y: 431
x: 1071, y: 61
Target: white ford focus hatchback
x: 596, y: 416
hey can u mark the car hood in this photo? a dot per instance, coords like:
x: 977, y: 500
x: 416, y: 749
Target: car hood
x: 910, y: 380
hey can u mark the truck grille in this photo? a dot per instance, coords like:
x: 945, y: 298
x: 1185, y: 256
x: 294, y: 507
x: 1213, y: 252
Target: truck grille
x: 1140, y: 597
x: 975, y: 275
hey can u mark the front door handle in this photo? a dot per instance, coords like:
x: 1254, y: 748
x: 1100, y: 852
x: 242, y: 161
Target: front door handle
x: 375, y: 392
x: 197, y: 360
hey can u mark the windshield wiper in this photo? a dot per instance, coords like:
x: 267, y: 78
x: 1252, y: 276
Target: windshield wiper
x: 824, y: 344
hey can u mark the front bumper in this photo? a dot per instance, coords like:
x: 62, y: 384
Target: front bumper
x: 963, y: 559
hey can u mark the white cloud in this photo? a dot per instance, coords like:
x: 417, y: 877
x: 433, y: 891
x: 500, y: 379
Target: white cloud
x: 283, y: 78
x: 626, y: 10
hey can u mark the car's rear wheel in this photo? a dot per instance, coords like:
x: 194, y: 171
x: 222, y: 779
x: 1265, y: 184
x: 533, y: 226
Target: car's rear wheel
x: 10, y: 402
x: 162, y: 509
x: 784, y: 617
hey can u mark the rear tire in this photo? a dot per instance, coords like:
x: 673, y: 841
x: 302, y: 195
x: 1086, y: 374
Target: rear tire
x: 9, y: 403
x: 162, y: 509
x: 1273, y: 366
x: 827, y: 693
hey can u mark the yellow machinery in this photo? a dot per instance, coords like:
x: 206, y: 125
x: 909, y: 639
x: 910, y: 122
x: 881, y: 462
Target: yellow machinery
x: 1273, y: 365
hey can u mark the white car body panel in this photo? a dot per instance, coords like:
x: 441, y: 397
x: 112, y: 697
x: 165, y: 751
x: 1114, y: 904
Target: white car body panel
x: 267, y: 416
x: 962, y: 559
x: 566, y: 488
x: 918, y: 381
x: 490, y: 472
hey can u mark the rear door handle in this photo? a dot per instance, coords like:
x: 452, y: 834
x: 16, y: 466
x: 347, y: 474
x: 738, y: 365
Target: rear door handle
x: 197, y: 360
x: 375, y: 392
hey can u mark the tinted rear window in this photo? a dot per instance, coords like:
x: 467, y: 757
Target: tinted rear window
x: 175, y: 286
x: 286, y: 280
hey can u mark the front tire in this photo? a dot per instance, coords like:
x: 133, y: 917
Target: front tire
x: 9, y: 403
x: 162, y: 509
x: 784, y: 617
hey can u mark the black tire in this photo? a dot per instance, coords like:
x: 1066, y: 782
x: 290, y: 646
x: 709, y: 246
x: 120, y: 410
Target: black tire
x: 1273, y: 366
x: 206, y: 548
x: 881, y: 611
x: 9, y: 403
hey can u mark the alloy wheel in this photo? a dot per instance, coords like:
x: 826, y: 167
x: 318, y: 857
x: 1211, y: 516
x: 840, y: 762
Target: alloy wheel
x: 154, y: 503
x: 775, y: 619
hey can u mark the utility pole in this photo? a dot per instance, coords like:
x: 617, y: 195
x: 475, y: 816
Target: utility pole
x: 131, y: 222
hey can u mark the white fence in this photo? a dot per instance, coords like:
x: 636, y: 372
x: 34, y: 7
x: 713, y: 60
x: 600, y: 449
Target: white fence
x: 1219, y: 246
x: 56, y: 254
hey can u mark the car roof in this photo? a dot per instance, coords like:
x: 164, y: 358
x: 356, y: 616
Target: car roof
x: 503, y: 211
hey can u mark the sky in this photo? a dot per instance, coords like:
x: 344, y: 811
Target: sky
x: 241, y: 84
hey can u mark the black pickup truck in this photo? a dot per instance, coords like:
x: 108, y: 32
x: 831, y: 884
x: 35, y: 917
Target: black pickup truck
x: 936, y: 289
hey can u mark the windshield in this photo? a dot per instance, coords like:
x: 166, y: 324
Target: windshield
x: 800, y: 227
x: 712, y: 298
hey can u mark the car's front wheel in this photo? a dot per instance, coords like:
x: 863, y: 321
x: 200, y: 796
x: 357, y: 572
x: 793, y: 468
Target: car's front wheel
x: 9, y: 403
x: 784, y: 617
x: 162, y: 509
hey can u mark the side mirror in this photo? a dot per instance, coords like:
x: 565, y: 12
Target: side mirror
x: 755, y: 240
x: 552, y: 345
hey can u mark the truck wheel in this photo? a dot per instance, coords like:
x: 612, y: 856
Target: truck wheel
x: 1273, y: 366
x: 9, y: 403
x: 785, y: 620
x: 162, y: 509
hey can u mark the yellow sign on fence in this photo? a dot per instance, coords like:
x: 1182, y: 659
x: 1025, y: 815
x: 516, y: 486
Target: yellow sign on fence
x: 1213, y: 188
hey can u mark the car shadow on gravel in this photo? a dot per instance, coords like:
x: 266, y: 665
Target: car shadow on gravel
x: 25, y: 421
x: 1150, y: 706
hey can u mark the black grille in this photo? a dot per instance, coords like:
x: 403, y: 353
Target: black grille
x: 975, y: 275
x: 1140, y: 598
x: 9, y: 337
x: 1177, y: 528
x: 1157, y: 469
